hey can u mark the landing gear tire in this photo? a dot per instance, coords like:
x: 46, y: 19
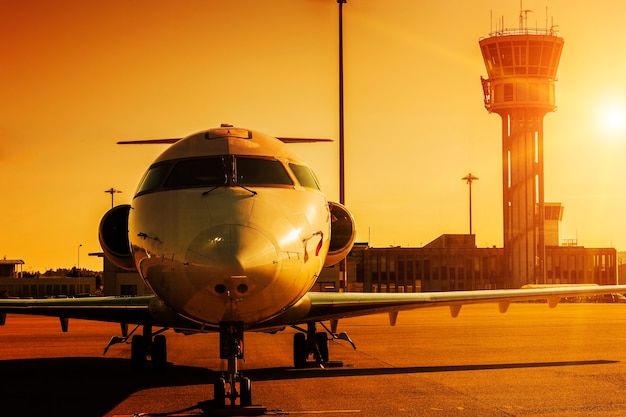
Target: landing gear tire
x: 300, y: 350
x: 219, y: 392
x: 245, y: 392
x: 137, y: 353
x: 321, y: 342
x: 159, y: 352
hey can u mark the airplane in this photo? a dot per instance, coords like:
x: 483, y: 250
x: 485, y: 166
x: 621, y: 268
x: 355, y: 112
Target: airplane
x: 230, y: 230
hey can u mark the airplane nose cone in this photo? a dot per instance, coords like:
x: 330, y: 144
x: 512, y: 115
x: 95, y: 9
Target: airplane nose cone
x: 231, y: 259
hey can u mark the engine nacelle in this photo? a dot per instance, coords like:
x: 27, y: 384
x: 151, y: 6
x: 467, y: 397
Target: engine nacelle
x: 113, y: 236
x: 342, y: 233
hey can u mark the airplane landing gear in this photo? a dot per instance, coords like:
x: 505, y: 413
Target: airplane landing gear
x: 143, y: 346
x: 232, y: 385
x: 148, y: 345
x: 311, y: 342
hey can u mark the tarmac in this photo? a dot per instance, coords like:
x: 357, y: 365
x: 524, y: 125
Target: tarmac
x: 531, y: 361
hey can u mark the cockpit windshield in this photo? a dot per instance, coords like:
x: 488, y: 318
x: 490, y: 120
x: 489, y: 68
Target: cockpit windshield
x: 215, y: 171
x: 259, y: 171
x: 201, y: 172
x: 304, y: 175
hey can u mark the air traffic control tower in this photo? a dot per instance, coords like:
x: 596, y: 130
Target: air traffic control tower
x: 521, y: 66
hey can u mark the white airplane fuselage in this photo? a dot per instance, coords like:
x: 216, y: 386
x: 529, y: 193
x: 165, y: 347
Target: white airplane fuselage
x: 242, y: 248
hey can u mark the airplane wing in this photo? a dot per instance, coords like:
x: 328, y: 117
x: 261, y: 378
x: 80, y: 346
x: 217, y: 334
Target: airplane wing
x: 313, y: 307
x: 128, y: 310
x: 320, y: 306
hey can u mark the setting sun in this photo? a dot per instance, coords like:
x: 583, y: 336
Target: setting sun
x: 612, y: 120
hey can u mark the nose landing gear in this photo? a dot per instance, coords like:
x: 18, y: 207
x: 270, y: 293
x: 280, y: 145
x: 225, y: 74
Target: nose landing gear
x: 232, y: 385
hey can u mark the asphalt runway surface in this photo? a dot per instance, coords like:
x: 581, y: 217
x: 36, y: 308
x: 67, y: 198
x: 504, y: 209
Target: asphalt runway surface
x: 531, y: 361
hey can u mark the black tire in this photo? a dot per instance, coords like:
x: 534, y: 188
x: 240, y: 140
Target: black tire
x: 321, y: 340
x: 219, y: 392
x: 300, y: 351
x: 137, y: 353
x: 245, y: 390
x: 159, y: 352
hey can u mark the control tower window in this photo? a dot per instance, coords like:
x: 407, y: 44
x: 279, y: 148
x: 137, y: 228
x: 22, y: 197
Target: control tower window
x: 260, y: 171
x: 198, y: 172
x: 508, y: 92
x: 304, y: 175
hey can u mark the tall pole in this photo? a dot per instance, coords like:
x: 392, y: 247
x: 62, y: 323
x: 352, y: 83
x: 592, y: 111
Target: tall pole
x: 469, y: 178
x: 343, y: 275
x: 342, y: 191
x: 78, y: 291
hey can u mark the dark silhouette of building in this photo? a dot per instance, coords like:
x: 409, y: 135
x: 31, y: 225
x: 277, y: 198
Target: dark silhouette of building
x: 9, y: 268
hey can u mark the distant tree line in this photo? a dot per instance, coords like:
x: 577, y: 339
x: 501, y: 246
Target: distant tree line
x: 72, y: 272
x: 63, y: 272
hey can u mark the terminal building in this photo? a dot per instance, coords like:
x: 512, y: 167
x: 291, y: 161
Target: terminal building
x: 14, y: 282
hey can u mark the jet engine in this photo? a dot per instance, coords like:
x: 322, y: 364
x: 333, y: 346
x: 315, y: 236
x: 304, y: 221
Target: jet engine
x: 342, y: 233
x: 113, y: 236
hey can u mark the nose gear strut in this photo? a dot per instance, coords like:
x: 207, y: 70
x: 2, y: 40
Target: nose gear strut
x: 232, y: 385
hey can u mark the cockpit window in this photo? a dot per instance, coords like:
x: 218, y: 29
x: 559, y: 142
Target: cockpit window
x: 258, y: 171
x: 304, y: 175
x: 200, y: 172
x: 216, y: 171
x: 153, y: 178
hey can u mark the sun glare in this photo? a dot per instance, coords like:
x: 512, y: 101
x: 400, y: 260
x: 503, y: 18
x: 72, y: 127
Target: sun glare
x: 612, y: 121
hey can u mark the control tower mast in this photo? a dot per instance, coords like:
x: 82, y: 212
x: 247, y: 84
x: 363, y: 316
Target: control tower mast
x: 521, y: 66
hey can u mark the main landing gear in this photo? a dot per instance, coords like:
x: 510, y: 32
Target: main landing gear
x: 310, y: 342
x: 146, y: 345
x: 143, y: 346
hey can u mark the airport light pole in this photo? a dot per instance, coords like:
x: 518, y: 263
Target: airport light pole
x: 469, y: 178
x: 343, y: 265
x: 78, y: 269
x: 342, y: 193
x: 112, y: 191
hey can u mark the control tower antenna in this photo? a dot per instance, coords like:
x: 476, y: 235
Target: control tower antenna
x: 521, y: 67
x: 523, y: 17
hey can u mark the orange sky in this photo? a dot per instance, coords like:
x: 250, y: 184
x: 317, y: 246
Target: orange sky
x: 77, y: 76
